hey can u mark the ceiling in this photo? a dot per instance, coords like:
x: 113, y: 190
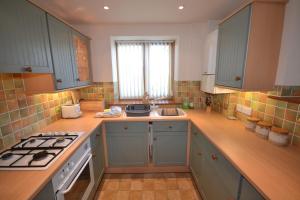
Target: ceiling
x: 138, y: 11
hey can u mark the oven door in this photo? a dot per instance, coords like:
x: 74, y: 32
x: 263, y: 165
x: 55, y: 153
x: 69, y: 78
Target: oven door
x: 82, y: 184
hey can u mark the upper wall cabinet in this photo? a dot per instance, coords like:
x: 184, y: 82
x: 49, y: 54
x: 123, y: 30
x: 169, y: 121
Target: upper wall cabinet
x: 61, y: 49
x: 81, y: 49
x: 24, y: 38
x: 249, y: 46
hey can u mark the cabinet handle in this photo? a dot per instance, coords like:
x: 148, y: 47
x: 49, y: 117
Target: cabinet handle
x: 214, y: 157
x: 78, y: 79
x: 199, y: 154
x: 154, y: 138
x: 97, y: 135
x: 59, y: 80
x: 125, y: 127
x: 237, y: 78
x: 170, y: 127
x: 28, y: 69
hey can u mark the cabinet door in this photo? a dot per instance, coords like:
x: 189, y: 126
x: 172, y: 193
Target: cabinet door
x: 81, y: 59
x: 127, y: 146
x: 232, y: 49
x: 24, y: 38
x: 169, y: 148
x: 248, y: 192
x: 98, y: 153
x: 61, y: 47
x: 219, y: 179
x: 196, y: 159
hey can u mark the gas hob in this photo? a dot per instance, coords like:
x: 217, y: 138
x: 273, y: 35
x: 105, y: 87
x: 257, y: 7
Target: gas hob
x: 37, y: 152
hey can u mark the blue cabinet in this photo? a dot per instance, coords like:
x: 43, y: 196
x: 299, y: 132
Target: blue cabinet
x: 170, y: 142
x: 81, y: 59
x: 216, y: 178
x: 61, y: 48
x: 98, y: 154
x: 98, y: 158
x: 127, y: 143
x: 24, y: 38
x: 248, y: 192
x: 232, y: 49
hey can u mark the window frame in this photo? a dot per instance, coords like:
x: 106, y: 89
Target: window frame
x: 172, y: 62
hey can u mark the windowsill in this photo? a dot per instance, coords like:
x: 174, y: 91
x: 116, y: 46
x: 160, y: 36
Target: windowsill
x: 159, y: 102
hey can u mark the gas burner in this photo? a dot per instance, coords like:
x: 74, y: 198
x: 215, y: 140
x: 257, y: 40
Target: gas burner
x: 39, y: 156
x: 37, y: 151
x: 6, y: 156
x: 60, y: 140
x: 31, y: 141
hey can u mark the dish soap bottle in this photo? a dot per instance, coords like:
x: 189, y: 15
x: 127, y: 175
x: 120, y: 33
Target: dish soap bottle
x: 185, y: 104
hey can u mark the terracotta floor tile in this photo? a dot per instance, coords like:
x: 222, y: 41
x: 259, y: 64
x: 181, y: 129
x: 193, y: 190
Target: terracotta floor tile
x: 188, y: 195
x: 135, y: 195
x: 185, y: 184
x: 124, y: 185
x: 110, y: 185
x: 107, y: 195
x: 151, y: 186
x: 149, y: 176
x: 170, y: 175
x: 160, y: 184
x: 148, y: 185
x: 161, y: 195
x: 122, y: 195
x: 148, y: 195
x: 172, y: 184
x: 174, y: 195
x: 136, y: 185
x: 126, y: 177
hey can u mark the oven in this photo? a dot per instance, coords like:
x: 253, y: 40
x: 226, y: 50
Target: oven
x: 76, y: 180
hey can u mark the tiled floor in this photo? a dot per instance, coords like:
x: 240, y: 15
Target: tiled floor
x: 158, y: 186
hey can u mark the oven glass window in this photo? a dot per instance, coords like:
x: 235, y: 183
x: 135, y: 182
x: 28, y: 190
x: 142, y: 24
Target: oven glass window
x: 80, y: 185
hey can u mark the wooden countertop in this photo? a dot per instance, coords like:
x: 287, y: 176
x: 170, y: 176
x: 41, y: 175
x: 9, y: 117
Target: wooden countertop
x: 273, y: 170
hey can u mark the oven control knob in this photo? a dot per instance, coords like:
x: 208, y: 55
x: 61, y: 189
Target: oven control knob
x: 72, y: 164
x: 62, y: 176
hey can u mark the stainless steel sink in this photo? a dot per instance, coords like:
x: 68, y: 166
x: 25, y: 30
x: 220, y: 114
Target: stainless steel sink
x: 162, y: 112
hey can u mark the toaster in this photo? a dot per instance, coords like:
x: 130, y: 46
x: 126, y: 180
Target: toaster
x: 71, y: 111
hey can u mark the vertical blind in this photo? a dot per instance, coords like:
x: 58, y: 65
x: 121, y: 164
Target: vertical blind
x: 144, y: 66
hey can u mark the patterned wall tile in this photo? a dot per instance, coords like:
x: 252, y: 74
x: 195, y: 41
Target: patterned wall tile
x: 21, y: 115
x: 280, y: 113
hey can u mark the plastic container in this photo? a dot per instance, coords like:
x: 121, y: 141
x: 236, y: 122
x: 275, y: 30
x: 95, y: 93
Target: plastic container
x: 251, y: 123
x: 279, y: 136
x: 263, y: 128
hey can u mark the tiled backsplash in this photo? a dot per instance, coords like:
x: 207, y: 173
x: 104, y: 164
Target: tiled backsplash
x: 189, y: 90
x: 282, y: 114
x: 182, y: 90
x: 21, y: 115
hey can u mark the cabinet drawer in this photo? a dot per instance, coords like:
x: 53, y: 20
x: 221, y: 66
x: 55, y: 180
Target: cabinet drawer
x: 170, y: 126
x: 126, y: 127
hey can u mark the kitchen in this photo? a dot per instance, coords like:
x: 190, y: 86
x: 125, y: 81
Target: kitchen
x: 112, y: 100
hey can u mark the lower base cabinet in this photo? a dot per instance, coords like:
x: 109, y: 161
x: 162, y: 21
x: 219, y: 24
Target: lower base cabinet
x: 248, y: 192
x: 127, y: 143
x: 215, y: 177
x: 98, y: 157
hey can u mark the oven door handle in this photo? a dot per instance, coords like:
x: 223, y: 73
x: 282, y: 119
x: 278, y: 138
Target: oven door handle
x: 77, y: 176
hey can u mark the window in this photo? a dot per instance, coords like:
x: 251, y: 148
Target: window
x: 145, y: 66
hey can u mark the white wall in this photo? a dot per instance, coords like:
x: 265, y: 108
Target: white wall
x: 289, y: 61
x: 190, y: 48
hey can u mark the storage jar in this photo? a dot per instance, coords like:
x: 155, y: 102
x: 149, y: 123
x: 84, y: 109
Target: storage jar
x: 263, y: 128
x: 251, y: 123
x: 279, y: 136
